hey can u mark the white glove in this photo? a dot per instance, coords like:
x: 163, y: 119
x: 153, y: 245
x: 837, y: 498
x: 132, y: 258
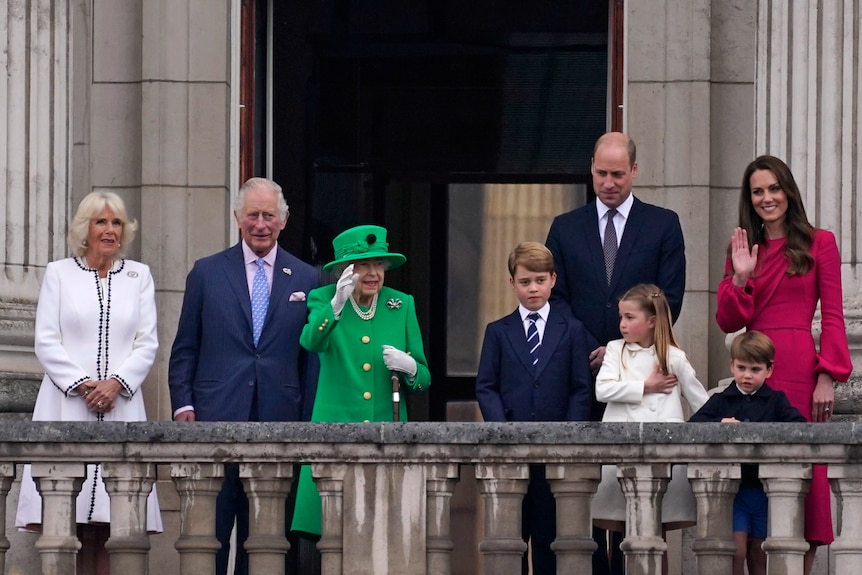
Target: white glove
x: 345, y: 286
x: 397, y: 360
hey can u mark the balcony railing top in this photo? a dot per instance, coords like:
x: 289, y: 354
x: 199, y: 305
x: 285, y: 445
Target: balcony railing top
x: 573, y: 442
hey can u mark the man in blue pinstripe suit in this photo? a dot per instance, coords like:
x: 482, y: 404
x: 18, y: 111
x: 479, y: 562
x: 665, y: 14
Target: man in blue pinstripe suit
x: 227, y: 365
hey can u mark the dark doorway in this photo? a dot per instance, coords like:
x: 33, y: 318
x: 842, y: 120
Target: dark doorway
x: 377, y: 107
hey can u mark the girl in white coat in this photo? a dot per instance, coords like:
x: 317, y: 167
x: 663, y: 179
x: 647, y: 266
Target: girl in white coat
x: 643, y: 378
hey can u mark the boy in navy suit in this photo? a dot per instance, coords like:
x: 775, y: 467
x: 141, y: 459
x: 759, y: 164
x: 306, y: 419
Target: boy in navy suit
x: 535, y: 367
x: 749, y: 398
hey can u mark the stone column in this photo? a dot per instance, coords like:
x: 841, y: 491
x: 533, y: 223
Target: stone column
x: 846, y: 483
x: 329, y: 478
x: 34, y: 161
x: 198, y: 485
x: 34, y: 157
x: 573, y: 487
x: 714, y: 488
x: 503, y: 487
x: 808, y: 79
x: 785, y: 545
x: 440, y: 484
x: 7, y: 475
x: 185, y: 152
x: 128, y: 485
x: 267, y: 486
x: 59, y: 485
x: 644, y: 486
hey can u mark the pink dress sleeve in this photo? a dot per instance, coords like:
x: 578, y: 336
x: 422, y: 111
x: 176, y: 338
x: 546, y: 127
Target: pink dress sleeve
x: 735, y: 305
x: 833, y: 356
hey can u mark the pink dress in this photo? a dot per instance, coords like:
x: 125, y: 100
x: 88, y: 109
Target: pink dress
x: 782, y: 307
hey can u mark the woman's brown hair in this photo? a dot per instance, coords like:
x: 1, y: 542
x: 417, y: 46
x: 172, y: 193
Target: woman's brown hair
x: 798, y: 231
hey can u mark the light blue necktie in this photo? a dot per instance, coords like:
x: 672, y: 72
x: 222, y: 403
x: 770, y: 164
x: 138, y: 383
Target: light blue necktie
x: 533, y: 337
x: 259, y: 300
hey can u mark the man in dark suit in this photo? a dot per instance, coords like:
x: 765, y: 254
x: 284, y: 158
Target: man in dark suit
x: 534, y: 367
x: 597, y: 263
x: 236, y: 355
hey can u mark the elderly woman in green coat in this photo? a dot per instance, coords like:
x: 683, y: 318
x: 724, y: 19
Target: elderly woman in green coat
x: 363, y: 333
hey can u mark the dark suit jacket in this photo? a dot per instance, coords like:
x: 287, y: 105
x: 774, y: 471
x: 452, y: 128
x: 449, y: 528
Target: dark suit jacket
x: 652, y: 250
x: 214, y: 364
x: 510, y: 388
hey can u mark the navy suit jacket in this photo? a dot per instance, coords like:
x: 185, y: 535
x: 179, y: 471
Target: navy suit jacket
x: 652, y: 250
x: 215, y: 366
x: 510, y: 388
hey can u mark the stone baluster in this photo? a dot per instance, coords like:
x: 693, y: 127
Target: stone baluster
x: 503, y: 487
x: 714, y: 488
x: 267, y: 486
x: 128, y: 485
x: 644, y: 486
x: 198, y: 485
x: 785, y: 545
x: 59, y: 485
x: 440, y: 484
x: 329, y: 478
x: 846, y: 483
x: 573, y: 487
x: 7, y: 475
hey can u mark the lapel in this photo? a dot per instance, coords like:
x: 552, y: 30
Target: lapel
x: 281, y: 281
x: 518, y: 340
x: 555, y: 329
x: 634, y: 224
x: 593, y: 242
x: 235, y: 272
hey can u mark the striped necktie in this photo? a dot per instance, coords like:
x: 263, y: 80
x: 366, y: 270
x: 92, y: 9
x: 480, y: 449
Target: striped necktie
x: 533, y: 337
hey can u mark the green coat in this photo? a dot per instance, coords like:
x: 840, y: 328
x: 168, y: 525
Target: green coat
x: 354, y: 384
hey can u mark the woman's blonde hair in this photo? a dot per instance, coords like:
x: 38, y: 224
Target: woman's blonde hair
x: 652, y: 301
x: 91, y: 206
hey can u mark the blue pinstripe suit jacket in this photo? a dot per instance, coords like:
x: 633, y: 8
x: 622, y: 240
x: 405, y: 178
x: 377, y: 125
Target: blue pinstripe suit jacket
x: 215, y: 366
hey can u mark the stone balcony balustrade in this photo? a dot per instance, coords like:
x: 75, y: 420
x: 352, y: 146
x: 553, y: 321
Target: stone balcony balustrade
x: 386, y: 488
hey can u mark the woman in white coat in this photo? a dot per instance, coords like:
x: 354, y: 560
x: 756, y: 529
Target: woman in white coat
x: 96, y: 340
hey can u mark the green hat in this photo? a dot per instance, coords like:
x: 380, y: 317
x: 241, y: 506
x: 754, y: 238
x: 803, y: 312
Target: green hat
x: 363, y: 243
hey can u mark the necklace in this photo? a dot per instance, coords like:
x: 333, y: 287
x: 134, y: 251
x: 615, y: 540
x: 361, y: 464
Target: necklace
x: 366, y: 315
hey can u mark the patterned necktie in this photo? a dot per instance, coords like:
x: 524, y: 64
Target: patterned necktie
x: 259, y: 300
x: 610, y: 245
x: 533, y: 337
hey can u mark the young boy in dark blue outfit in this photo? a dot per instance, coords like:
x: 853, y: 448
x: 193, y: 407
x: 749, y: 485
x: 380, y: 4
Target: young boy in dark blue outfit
x: 749, y: 398
x: 535, y: 367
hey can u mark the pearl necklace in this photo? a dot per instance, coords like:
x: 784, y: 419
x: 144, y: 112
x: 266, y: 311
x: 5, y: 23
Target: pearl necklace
x: 365, y: 315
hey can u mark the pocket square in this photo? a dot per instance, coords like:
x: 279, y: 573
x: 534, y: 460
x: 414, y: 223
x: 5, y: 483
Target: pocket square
x: 297, y: 296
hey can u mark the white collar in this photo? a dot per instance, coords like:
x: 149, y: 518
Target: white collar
x: 624, y: 208
x: 542, y: 311
x: 249, y: 256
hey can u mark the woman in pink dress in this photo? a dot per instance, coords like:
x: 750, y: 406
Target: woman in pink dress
x: 779, y: 267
